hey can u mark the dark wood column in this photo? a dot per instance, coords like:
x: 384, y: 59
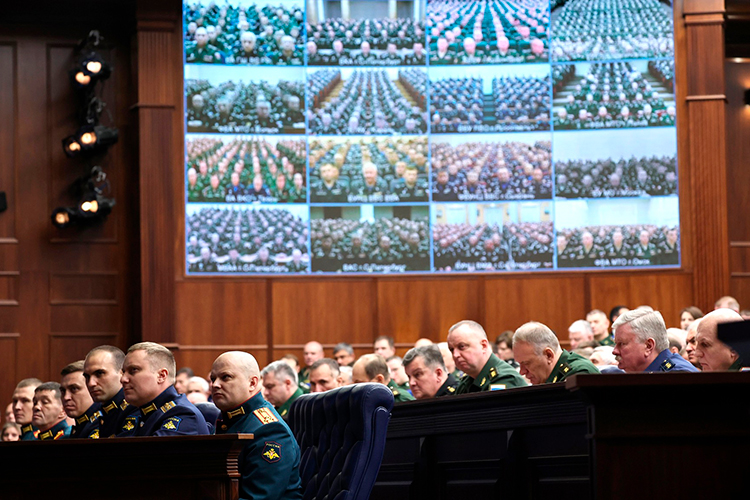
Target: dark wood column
x: 706, y: 110
x: 158, y: 68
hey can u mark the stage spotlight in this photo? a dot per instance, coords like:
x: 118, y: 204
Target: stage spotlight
x: 94, y: 205
x: 89, y: 139
x: 91, y: 68
x: 63, y: 217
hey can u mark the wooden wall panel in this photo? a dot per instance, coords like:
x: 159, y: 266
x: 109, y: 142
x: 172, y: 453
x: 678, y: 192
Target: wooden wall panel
x: 200, y: 360
x: 9, y: 375
x: 411, y: 308
x: 84, y: 318
x: 665, y: 292
x: 83, y: 288
x: 7, y: 135
x: 67, y: 348
x: 556, y: 301
x: 740, y: 289
x: 221, y: 313
x: 326, y: 310
x: 9, y: 290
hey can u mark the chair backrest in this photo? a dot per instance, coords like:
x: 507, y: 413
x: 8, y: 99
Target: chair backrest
x: 211, y: 413
x: 341, y: 434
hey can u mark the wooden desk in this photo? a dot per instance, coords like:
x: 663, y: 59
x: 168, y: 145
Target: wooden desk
x: 163, y: 468
x: 642, y: 436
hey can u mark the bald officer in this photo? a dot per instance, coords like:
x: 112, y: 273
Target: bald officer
x: 541, y: 359
x: 269, y: 463
x: 713, y: 354
x: 472, y: 353
x: 148, y: 374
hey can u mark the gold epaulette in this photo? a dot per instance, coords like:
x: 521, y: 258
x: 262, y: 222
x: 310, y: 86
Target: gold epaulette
x: 168, y: 406
x: 236, y: 413
x: 148, y: 409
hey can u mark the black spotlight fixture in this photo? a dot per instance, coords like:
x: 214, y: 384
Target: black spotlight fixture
x: 91, y: 66
x: 63, y: 217
x: 93, y: 206
x: 89, y: 139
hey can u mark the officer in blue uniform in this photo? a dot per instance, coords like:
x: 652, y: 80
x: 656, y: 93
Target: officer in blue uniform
x: 642, y: 344
x: 148, y: 382
x: 269, y: 463
x: 668, y: 361
x: 102, y: 370
x: 78, y: 404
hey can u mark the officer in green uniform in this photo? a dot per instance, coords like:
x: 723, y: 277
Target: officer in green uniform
x: 49, y: 416
x: 280, y: 386
x: 428, y: 376
x: 472, y: 353
x: 373, y: 368
x: 269, y: 463
x: 23, y: 407
x: 599, y: 322
x: 542, y: 360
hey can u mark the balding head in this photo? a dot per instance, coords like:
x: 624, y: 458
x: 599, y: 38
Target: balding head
x: 712, y: 354
x: 313, y: 352
x: 727, y: 302
x: 468, y: 343
x: 371, y: 368
x: 234, y: 379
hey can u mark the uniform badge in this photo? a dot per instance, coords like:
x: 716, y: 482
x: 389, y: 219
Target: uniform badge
x: 129, y: 424
x: 493, y: 372
x: 271, y: 452
x: 666, y: 365
x: 265, y: 416
x: 483, y: 381
x: 171, y: 424
x: 94, y: 435
x: 497, y: 387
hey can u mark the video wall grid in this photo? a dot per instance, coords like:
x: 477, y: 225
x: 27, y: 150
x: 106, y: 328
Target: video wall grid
x: 396, y: 136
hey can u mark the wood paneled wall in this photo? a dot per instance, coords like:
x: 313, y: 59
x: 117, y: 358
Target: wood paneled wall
x: 64, y: 292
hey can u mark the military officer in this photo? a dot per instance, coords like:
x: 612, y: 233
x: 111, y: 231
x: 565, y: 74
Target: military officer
x: 373, y: 368
x: 201, y: 51
x: 23, y: 407
x: 399, y: 378
x: 49, y: 416
x: 269, y: 463
x: 712, y: 354
x: 541, y: 360
x: 472, y: 353
x: 312, y: 352
x: 78, y: 404
x: 329, y: 189
x: 148, y: 374
x: 102, y: 369
x: 280, y: 386
x: 411, y: 189
x: 428, y: 376
x: 642, y: 344
x: 599, y: 322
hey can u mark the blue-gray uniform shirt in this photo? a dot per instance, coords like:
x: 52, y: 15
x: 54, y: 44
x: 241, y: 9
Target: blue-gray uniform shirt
x: 60, y: 430
x: 28, y: 432
x: 269, y: 464
x: 87, y: 425
x: 169, y: 414
x: 113, y: 415
x: 668, y: 361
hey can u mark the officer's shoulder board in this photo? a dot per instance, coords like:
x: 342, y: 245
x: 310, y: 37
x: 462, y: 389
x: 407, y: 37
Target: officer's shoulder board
x: 493, y: 373
x: 563, y: 368
x: 168, y: 406
x: 451, y: 389
x: 265, y: 416
x: 666, y: 365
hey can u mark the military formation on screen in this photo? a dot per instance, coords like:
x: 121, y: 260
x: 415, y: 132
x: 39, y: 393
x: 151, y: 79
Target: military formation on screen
x: 370, y: 136
x: 141, y: 393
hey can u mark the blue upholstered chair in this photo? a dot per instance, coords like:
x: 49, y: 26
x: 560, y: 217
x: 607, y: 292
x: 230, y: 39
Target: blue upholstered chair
x: 211, y: 413
x: 341, y: 434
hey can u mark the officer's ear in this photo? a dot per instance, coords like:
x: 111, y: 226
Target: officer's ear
x: 162, y: 375
x: 379, y: 378
x: 650, y: 344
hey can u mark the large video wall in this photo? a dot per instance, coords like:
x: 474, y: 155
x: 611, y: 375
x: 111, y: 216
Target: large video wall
x: 390, y: 136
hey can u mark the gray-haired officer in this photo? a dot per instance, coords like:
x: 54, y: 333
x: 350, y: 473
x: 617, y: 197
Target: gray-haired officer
x: 542, y: 360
